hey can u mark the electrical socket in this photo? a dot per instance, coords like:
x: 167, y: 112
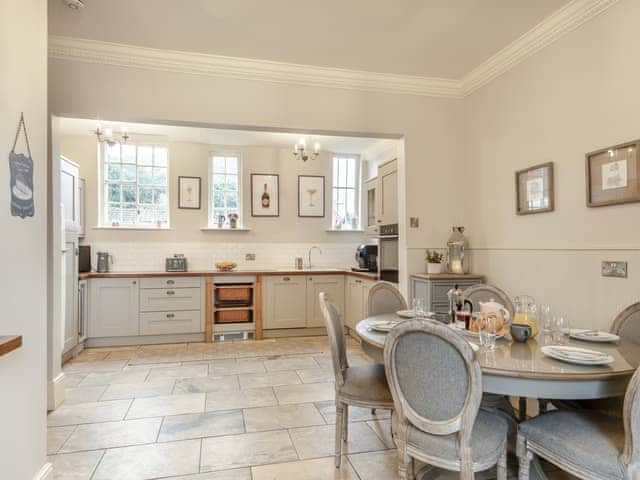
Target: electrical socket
x: 414, y: 222
x: 250, y: 256
x: 614, y: 269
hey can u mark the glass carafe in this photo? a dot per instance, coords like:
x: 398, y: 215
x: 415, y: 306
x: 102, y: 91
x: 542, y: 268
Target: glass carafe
x: 526, y: 313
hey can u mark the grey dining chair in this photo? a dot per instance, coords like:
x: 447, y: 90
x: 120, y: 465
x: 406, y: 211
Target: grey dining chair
x: 361, y: 386
x: 485, y: 293
x: 384, y: 297
x: 436, y: 383
x: 627, y: 326
x: 584, y: 443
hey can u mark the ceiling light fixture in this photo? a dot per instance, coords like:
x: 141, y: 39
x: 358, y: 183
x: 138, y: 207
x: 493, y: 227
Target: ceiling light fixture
x: 300, y: 149
x: 74, y: 4
x: 106, y: 136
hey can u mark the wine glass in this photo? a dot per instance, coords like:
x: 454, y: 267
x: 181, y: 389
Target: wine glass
x: 418, y: 307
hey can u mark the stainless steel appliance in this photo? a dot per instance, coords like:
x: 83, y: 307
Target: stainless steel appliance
x: 388, y: 262
x: 366, y: 258
x: 177, y: 263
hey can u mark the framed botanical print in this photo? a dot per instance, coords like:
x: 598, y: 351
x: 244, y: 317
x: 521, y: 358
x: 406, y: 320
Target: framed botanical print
x: 534, y: 189
x: 265, y: 195
x: 310, y: 196
x: 613, y: 175
x: 189, y: 192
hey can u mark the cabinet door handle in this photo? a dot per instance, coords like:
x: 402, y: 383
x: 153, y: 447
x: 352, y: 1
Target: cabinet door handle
x: 358, y: 281
x: 170, y: 292
x: 286, y: 279
x: 171, y: 315
x: 134, y: 282
x: 170, y: 282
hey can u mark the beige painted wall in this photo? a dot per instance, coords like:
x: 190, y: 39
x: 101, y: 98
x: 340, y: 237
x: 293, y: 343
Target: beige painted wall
x: 431, y: 126
x: 192, y: 159
x: 23, y: 288
x: 578, y: 95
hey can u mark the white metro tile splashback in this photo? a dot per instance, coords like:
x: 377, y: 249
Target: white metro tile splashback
x: 150, y: 256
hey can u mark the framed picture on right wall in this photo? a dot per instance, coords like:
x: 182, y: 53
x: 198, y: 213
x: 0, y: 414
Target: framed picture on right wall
x: 613, y: 175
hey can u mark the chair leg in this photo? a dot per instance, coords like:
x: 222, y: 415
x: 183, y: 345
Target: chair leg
x: 543, y: 405
x: 524, y: 459
x: 339, y: 427
x: 501, y: 467
x: 405, y: 465
x: 345, y: 423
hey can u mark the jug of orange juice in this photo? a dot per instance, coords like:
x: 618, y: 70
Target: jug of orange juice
x: 526, y: 313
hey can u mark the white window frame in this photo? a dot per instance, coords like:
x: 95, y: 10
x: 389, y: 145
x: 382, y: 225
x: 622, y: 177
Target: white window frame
x: 357, y: 190
x: 102, y: 181
x: 211, y: 222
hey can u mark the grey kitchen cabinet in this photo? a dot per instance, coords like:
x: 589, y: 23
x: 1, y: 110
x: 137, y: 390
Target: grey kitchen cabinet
x: 70, y: 195
x: 70, y: 260
x: 371, y: 226
x: 113, y: 309
x: 387, y: 193
x: 432, y: 289
x: 170, y: 305
x: 284, y: 302
x: 333, y: 286
x: 356, y: 300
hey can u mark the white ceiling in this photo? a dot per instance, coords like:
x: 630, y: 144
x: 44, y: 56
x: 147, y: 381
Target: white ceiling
x: 435, y: 38
x: 226, y: 137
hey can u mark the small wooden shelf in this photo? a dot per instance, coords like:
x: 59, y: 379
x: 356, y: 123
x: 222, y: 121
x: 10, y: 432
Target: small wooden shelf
x: 254, y: 317
x: 9, y: 343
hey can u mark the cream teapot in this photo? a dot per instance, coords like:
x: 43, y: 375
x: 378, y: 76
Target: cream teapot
x: 495, y: 307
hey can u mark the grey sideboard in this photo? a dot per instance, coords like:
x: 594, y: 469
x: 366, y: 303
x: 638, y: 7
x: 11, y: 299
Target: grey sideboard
x: 433, y: 288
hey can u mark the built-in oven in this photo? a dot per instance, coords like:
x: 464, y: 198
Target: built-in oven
x: 388, y: 253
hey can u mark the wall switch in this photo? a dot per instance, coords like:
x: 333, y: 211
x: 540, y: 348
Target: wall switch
x: 250, y: 256
x: 414, y: 222
x: 614, y: 269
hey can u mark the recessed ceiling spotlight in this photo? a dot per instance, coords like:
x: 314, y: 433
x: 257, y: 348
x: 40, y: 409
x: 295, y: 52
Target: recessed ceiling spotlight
x: 74, y: 4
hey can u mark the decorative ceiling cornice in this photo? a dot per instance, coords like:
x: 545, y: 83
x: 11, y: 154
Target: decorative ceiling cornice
x: 121, y: 55
x: 565, y: 20
x: 568, y: 18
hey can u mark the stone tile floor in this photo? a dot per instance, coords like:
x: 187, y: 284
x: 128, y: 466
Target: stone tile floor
x: 249, y: 410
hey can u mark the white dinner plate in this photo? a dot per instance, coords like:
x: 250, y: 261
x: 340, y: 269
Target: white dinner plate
x: 463, y: 331
x: 589, y: 335
x: 383, y: 325
x: 579, y: 356
x: 406, y: 313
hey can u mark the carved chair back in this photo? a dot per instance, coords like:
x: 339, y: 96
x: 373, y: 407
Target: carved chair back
x: 335, y: 331
x: 385, y: 298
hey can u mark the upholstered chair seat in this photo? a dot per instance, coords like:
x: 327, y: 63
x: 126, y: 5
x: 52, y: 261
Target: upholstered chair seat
x: 366, y: 384
x: 487, y: 440
x: 582, y: 438
x: 585, y: 443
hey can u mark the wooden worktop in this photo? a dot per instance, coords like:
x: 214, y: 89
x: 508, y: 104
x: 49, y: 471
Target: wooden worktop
x: 447, y: 276
x: 208, y: 273
x: 9, y: 343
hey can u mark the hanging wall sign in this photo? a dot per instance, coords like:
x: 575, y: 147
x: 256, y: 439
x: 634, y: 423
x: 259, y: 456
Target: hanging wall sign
x: 21, y: 181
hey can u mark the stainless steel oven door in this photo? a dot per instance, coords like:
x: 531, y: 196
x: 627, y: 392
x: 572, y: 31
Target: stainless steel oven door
x: 388, y: 258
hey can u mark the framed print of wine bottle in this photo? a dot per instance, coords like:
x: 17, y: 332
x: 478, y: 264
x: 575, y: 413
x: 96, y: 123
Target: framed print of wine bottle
x: 265, y: 195
x: 310, y: 196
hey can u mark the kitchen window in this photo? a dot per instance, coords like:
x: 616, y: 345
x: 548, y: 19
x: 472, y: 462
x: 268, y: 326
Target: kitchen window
x: 225, y: 189
x: 346, y: 192
x: 135, y: 186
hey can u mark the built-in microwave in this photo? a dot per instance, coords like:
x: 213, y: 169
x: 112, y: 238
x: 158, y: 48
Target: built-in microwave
x: 388, y: 261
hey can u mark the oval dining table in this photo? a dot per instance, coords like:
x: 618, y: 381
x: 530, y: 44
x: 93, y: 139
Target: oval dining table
x: 522, y: 370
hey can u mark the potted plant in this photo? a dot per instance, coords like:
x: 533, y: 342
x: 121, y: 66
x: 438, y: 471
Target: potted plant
x: 434, y: 261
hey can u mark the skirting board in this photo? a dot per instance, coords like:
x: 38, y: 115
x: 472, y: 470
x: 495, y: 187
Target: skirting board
x: 55, y: 392
x: 143, y: 340
x: 45, y: 473
x: 295, y: 332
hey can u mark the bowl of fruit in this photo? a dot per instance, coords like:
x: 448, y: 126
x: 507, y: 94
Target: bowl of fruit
x: 226, y: 266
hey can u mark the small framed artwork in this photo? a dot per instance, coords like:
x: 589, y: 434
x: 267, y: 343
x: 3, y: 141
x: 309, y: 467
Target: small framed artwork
x: 534, y: 189
x: 189, y: 192
x: 613, y: 176
x: 310, y: 196
x: 265, y: 195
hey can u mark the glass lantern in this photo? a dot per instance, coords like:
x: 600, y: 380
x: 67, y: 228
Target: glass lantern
x: 455, y: 248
